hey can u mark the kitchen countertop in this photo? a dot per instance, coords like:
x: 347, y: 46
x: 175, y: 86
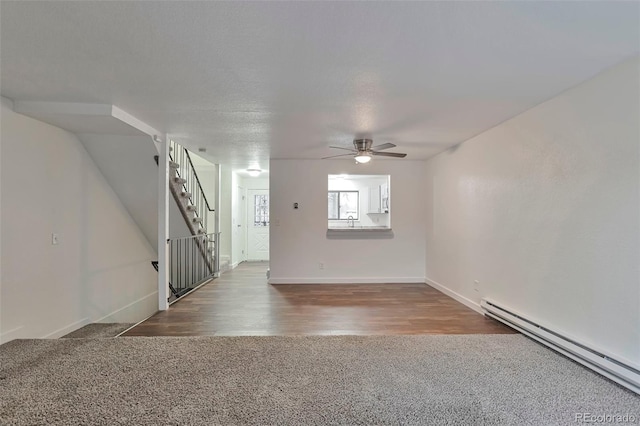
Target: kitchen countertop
x: 360, y: 229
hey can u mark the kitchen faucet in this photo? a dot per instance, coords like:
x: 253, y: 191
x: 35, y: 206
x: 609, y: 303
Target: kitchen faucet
x: 351, y: 220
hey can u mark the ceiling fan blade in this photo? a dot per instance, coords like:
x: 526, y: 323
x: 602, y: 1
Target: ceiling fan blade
x: 389, y: 154
x: 383, y: 146
x: 346, y: 149
x: 334, y: 156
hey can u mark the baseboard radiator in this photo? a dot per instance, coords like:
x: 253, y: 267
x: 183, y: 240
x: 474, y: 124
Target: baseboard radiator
x: 616, y: 370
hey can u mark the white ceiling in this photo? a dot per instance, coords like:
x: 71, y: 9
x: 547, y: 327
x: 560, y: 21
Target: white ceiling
x: 257, y: 80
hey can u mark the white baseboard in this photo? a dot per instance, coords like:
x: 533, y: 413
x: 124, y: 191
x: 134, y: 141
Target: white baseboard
x: 134, y: 311
x: 67, y: 329
x: 392, y: 280
x: 234, y: 265
x: 10, y: 335
x: 456, y: 296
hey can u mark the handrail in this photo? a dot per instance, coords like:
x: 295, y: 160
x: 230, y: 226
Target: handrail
x: 195, y: 174
x: 188, y: 237
x: 174, y: 292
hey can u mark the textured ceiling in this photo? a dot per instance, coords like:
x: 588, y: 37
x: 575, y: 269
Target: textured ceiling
x: 257, y: 80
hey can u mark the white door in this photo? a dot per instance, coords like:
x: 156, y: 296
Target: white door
x: 258, y: 224
x: 240, y: 225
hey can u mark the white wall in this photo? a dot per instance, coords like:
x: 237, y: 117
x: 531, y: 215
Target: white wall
x: 299, y: 240
x: 5, y: 105
x: 544, y: 211
x: 226, y: 201
x: 99, y: 271
x: 236, y: 256
x: 259, y: 182
x: 127, y: 164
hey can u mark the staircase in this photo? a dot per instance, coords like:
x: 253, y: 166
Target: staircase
x: 193, y: 260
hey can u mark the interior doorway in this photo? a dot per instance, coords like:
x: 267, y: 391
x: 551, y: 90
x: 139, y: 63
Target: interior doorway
x: 258, y: 224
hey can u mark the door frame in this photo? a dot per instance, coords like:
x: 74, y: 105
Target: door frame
x: 241, y: 223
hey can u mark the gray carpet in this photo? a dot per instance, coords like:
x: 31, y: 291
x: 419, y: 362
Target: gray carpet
x: 319, y: 380
x: 98, y: 330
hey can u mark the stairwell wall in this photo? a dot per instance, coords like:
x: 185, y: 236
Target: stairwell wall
x: 100, y: 269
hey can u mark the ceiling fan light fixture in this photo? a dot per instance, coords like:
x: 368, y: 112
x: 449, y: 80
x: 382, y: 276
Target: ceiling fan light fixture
x: 363, y: 150
x: 254, y: 172
x: 363, y: 157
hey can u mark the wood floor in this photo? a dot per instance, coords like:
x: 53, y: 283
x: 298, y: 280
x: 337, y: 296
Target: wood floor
x: 241, y: 303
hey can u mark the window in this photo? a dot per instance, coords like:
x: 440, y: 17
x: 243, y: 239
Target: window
x: 261, y: 214
x: 343, y: 205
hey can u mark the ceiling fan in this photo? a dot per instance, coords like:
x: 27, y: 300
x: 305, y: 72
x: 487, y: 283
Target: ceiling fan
x: 363, y: 151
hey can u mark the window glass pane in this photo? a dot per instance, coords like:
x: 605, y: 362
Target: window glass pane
x: 333, y: 205
x: 261, y: 214
x: 348, y: 205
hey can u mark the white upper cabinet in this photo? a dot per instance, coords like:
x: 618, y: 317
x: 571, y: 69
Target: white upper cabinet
x: 379, y: 199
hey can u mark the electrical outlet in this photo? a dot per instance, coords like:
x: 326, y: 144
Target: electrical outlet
x: 54, y: 239
x: 476, y: 285
x: 321, y: 265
